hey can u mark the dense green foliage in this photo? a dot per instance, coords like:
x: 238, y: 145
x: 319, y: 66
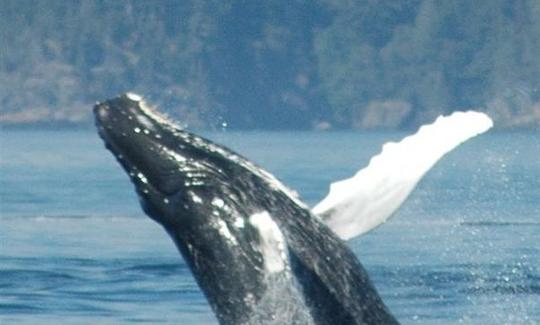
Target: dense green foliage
x: 273, y: 64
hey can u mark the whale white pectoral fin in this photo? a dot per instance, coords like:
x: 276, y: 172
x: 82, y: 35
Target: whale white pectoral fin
x: 358, y: 204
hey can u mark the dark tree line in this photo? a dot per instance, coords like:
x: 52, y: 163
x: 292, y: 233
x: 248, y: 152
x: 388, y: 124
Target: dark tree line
x: 273, y: 64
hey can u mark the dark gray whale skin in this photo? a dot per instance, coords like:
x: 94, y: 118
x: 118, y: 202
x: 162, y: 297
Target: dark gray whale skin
x: 203, y: 195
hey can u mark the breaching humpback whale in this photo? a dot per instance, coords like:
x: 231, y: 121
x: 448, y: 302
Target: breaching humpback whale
x: 257, y: 252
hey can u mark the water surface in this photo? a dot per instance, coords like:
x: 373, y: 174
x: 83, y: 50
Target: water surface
x: 75, y: 246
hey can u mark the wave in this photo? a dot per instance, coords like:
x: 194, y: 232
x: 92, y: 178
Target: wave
x: 468, y: 278
x: 19, y: 308
x: 52, y: 217
x: 161, y: 269
x: 499, y: 223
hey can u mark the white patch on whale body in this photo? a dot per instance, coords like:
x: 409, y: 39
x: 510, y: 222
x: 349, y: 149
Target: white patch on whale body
x: 225, y: 232
x: 146, y: 122
x: 151, y: 113
x: 174, y: 155
x: 218, y: 203
x: 195, y: 198
x: 142, y: 178
x: 223, y: 207
x: 159, y: 117
x: 134, y: 97
x: 272, y: 245
x: 239, y: 222
x: 103, y: 113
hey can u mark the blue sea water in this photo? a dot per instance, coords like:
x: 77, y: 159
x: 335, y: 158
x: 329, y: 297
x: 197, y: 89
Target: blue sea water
x: 76, y: 248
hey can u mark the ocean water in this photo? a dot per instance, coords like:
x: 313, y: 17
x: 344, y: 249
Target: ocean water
x: 76, y: 248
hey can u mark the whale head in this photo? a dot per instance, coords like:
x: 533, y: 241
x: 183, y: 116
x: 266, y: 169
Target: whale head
x: 170, y: 168
x: 205, y: 196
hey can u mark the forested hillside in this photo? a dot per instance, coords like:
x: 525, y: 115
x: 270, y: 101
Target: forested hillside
x: 280, y: 64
